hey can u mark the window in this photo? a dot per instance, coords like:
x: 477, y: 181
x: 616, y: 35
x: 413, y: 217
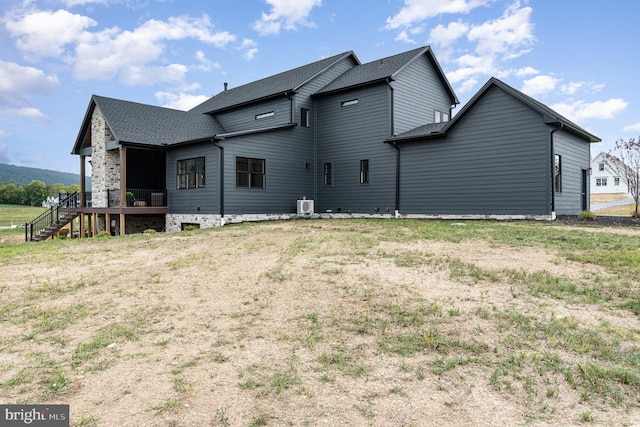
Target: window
x: 364, y: 171
x: 601, y: 167
x: 265, y: 115
x: 304, y: 117
x: 250, y: 173
x: 616, y: 181
x: 191, y: 173
x: 349, y: 102
x: 439, y: 116
x: 601, y: 182
x: 557, y: 173
x: 328, y: 174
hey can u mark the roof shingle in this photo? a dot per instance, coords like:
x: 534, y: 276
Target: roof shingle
x: 269, y: 86
x: 150, y: 125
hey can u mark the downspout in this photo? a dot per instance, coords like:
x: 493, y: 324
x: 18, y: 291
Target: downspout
x: 220, y: 179
x: 392, y: 132
x: 397, y: 208
x: 553, y: 173
x: 291, y: 107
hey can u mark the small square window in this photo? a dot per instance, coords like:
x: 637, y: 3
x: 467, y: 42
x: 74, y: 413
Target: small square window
x: 601, y: 167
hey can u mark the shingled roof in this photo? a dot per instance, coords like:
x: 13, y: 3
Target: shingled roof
x: 549, y: 116
x: 383, y: 69
x: 279, y: 84
x: 134, y: 123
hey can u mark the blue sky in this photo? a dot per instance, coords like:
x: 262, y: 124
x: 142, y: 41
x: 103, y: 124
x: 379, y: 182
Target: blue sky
x: 577, y: 56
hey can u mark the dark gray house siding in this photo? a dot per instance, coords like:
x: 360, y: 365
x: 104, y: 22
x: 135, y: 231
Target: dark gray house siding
x: 576, y: 157
x: 418, y: 91
x: 244, y: 118
x: 287, y: 176
x: 356, y: 133
x: 494, y: 161
x: 194, y: 200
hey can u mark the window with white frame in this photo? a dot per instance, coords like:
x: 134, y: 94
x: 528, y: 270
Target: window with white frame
x: 616, y: 181
x: 601, y: 167
x: 601, y: 182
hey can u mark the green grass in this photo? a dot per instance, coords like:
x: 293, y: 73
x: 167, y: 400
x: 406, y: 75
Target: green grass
x: 518, y: 348
x: 16, y: 214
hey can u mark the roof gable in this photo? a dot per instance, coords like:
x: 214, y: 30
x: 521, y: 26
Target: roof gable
x: 279, y: 84
x: 549, y: 116
x: 134, y: 123
x: 383, y: 69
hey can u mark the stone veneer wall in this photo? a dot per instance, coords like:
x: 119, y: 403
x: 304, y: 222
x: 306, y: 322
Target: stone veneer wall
x: 105, y: 165
x: 175, y: 221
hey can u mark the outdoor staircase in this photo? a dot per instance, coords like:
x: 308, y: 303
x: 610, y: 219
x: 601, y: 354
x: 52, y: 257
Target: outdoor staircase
x: 53, y: 219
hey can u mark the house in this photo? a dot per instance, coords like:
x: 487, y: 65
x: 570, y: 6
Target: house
x: 503, y: 155
x: 604, y: 180
x: 356, y: 139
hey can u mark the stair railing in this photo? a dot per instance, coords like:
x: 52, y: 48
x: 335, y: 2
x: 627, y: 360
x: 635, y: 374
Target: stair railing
x: 67, y: 205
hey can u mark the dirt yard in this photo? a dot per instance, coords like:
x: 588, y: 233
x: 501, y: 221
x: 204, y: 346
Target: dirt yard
x: 313, y: 323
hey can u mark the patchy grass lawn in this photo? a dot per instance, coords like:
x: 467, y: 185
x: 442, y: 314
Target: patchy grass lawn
x: 351, y: 322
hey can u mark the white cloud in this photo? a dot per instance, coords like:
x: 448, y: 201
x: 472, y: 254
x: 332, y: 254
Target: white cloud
x: 632, y: 128
x: 126, y: 54
x: 71, y: 3
x: 180, y: 101
x: 17, y: 80
x: 46, y: 33
x: 508, y: 35
x: 205, y: 63
x: 416, y: 11
x: 581, y: 110
x: 445, y: 36
x: 571, y: 88
x: 539, y: 85
x: 29, y: 113
x: 403, y: 36
x: 285, y: 14
x: 526, y: 71
x: 250, y: 48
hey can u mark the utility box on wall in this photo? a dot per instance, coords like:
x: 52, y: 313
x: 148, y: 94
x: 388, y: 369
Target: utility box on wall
x: 305, y: 207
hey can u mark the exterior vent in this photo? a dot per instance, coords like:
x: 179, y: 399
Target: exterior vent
x: 305, y: 207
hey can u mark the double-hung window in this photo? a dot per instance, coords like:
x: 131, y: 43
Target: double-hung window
x: 191, y: 173
x: 250, y: 173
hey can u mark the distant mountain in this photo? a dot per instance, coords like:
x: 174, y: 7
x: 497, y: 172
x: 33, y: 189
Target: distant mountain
x: 22, y: 175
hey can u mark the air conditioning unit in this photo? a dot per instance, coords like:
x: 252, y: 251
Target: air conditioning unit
x: 305, y: 207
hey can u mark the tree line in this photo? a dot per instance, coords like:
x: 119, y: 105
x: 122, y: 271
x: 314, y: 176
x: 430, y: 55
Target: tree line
x: 32, y: 194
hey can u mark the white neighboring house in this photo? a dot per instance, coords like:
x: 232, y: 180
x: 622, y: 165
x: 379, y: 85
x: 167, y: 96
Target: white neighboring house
x: 603, y: 179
